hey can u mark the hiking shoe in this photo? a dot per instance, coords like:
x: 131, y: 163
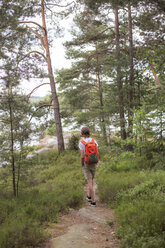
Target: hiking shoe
x: 89, y: 199
x: 93, y: 204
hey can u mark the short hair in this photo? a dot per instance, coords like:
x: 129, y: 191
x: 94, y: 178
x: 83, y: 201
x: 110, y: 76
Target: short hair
x: 85, y: 131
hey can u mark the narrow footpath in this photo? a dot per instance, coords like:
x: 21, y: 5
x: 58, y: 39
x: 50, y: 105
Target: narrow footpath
x: 88, y: 227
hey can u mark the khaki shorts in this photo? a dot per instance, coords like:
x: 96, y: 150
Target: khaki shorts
x: 89, y: 171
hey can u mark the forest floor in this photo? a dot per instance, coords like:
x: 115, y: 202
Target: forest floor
x: 88, y: 227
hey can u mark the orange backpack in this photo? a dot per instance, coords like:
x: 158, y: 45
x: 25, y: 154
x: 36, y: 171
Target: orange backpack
x: 91, y: 152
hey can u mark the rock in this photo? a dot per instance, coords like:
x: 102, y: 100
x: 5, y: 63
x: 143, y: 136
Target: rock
x: 41, y: 150
x: 37, y: 152
x: 91, y: 214
x: 49, y: 141
x: 76, y: 237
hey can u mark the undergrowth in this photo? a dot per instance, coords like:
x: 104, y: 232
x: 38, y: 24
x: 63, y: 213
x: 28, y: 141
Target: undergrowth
x: 52, y: 187
x: 135, y: 187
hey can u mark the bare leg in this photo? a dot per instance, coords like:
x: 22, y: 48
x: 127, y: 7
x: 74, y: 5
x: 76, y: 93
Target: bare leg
x: 91, y: 189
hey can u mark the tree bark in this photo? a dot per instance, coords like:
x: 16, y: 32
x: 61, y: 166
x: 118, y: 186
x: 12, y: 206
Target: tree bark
x: 19, y: 166
x: 52, y: 85
x: 102, y: 119
x: 131, y: 74
x: 12, y: 148
x: 119, y: 81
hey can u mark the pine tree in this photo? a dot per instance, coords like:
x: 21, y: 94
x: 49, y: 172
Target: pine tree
x: 118, y: 79
x: 46, y: 45
x: 15, y: 130
x: 147, y: 51
x: 85, y: 78
x: 15, y: 111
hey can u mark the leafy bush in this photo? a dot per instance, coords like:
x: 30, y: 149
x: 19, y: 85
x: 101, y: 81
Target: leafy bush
x: 73, y: 143
x: 51, y: 130
x: 110, y: 184
x: 137, y: 192
x: 57, y: 187
x: 46, y: 157
x: 142, y: 223
x: 21, y: 232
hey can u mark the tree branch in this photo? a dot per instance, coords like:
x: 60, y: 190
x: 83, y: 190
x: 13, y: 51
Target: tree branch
x: 44, y: 105
x: 28, y: 96
x: 38, y: 35
x: 48, y: 8
x: 153, y: 88
x: 111, y: 28
x: 63, y: 6
x: 33, y: 52
x: 32, y: 23
x: 155, y: 77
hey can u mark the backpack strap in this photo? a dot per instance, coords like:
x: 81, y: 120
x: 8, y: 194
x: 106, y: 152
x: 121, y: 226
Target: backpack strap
x: 82, y: 141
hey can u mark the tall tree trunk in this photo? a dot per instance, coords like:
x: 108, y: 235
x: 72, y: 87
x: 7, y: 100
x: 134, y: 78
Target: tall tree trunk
x: 102, y: 119
x: 12, y: 148
x: 52, y: 85
x: 19, y: 166
x: 119, y: 82
x: 131, y: 74
x: 161, y: 124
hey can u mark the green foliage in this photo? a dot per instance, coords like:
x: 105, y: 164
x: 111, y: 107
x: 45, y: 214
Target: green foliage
x: 142, y: 212
x: 142, y: 223
x: 137, y: 192
x: 56, y: 184
x: 84, y: 93
x: 50, y: 183
x: 73, y: 143
x: 51, y: 130
x: 21, y: 232
x: 111, y: 183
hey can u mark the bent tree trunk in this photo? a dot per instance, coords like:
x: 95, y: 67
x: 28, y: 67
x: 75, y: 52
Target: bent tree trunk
x: 52, y: 85
x: 118, y: 80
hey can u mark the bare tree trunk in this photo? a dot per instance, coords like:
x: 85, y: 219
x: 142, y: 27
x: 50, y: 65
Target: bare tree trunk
x: 131, y: 79
x: 102, y: 119
x: 119, y: 82
x: 52, y: 85
x: 19, y: 166
x: 12, y: 148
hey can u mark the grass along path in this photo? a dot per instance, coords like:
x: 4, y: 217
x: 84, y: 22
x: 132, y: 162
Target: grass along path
x: 88, y: 227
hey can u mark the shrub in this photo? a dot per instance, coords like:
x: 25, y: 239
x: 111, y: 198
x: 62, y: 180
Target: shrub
x: 141, y: 223
x: 57, y: 187
x: 73, y: 143
x: 137, y: 193
x: 110, y: 184
x: 21, y: 232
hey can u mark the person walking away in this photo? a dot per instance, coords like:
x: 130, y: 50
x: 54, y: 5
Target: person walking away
x: 89, y: 159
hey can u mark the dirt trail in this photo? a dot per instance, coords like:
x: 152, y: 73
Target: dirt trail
x: 88, y: 227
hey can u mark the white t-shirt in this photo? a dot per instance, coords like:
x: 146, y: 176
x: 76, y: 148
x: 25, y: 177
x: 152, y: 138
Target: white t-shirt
x: 82, y: 146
